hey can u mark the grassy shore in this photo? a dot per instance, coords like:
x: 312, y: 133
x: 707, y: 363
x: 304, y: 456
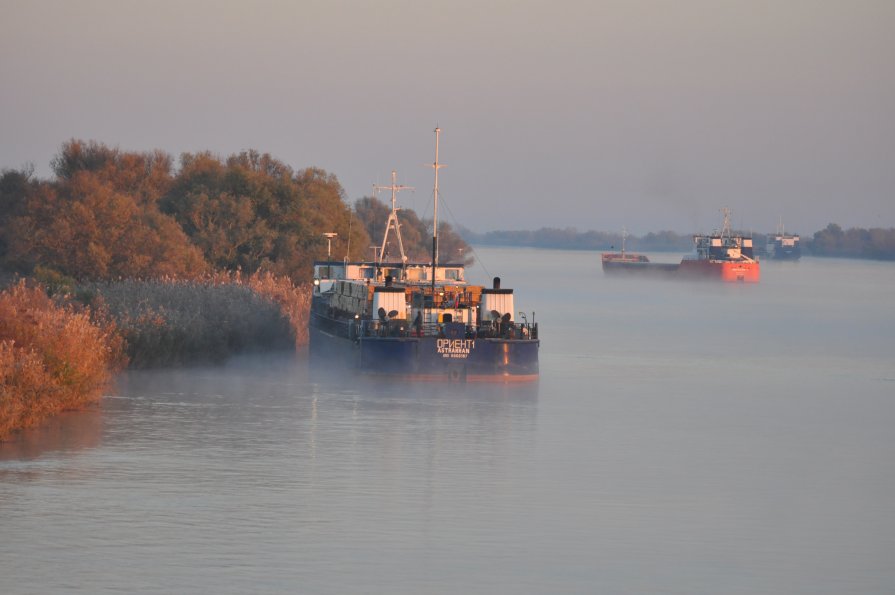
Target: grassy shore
x: 59, y: 353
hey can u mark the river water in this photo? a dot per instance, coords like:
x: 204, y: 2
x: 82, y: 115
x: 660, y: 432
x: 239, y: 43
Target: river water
x: 683, y: 438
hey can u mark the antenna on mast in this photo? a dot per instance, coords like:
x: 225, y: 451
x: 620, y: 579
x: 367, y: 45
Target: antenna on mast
x: 393, y: 216
x: 436, y: 166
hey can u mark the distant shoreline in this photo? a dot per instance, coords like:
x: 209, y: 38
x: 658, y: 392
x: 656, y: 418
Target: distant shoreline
x: 832, y: 241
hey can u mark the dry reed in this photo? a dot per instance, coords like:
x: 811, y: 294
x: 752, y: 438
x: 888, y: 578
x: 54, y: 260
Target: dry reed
x: 172, y: 321
x: 52, y: 357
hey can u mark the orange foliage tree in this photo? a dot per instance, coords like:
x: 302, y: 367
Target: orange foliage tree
x: 98, y: 220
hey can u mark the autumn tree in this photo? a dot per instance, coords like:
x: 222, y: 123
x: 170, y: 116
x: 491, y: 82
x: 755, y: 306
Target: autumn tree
x: 98, y: 219
x: 253, y: 212
x: 15, y: 186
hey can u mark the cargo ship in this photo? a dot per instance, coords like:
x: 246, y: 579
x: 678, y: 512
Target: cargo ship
x: 419, y: 321
x: 783, y: 246
x: 612, y: 260
x: 722, y: 255
x: 629, y: 262
x: 642, y: 266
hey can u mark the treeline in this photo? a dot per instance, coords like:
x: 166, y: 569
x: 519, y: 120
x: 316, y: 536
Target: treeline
x: 111, y: 214
x: 569, y: 238
x: 875, y: 243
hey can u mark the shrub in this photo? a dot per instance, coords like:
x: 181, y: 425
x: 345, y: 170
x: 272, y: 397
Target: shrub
x: 52, y: 357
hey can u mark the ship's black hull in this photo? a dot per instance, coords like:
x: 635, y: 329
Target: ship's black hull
x: 787, y: 253
x: 659, y: 269
x: 461, y: 359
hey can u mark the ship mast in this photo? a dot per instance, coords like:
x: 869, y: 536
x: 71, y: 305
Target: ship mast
x: 436, y: 166
x: 393, y: 216
x: 725, y: 230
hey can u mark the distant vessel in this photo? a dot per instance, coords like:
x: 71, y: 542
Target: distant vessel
x: 629, y: 262
x: 419, y: 320
x: 722, y: 255
x: 783, y: 246
x: 611, y: 258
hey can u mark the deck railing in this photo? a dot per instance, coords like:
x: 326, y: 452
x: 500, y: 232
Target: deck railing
x: 403, y: 328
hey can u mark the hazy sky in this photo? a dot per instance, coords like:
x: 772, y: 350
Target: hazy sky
x: 593, y: 114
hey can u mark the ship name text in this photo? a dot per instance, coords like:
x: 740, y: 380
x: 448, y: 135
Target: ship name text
x: 455, y: 348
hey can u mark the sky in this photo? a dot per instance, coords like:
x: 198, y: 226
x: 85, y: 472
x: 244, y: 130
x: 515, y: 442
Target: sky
x: 593, y: 114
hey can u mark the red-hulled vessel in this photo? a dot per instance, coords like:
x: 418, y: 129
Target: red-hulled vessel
x: 722, y: 255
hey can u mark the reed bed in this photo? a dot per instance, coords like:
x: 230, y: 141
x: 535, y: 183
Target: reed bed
x: 52, y: 357
x: 294, y: 300
x: 172, y: 321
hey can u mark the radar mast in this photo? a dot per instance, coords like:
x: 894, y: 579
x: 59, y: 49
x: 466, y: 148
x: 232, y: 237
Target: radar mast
x: 393, y: 217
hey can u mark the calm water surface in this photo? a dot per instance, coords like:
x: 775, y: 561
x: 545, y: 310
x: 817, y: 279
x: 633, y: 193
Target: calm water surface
x: 683, y: 438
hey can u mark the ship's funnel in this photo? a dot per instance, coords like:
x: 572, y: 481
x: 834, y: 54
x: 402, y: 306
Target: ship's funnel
x: 390, y: 301
x: 497, y: 301
x: 496, y: 282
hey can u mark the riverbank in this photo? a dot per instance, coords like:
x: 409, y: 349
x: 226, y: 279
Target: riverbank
x: 59, y: 353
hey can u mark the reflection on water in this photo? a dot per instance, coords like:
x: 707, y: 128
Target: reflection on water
x: 70, y: 431
x: 256, y: 475
x: 682, y: 439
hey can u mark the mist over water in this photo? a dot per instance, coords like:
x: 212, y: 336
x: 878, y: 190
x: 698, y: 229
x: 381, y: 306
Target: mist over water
x: 683, y: 438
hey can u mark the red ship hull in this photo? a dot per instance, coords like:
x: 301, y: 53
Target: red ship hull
x: 730, y: 271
